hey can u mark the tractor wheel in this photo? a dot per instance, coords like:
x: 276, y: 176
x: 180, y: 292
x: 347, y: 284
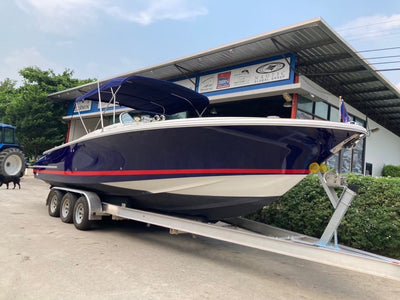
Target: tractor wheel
x: 12, y: 163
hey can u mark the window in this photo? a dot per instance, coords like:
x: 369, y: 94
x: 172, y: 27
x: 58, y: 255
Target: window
x: 9, y: 136
x: 358, y: 154
x: 368, y: 167
x: 303, y: 115
x: 347, y: 160
x: 258, y: 107
x: 321, y: 110
x: 305, y: 104
x: 359, y: 121
x: 333, y: 162
x: 334, y: 114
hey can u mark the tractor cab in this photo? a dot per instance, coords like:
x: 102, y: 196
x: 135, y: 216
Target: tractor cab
x: 8, y: 137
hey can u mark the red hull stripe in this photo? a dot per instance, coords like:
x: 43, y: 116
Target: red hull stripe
x: 172, y: 172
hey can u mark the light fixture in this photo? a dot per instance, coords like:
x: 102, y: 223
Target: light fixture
x: 287, y: 104
x: 374, y: 130
x: 288, y: 100
x: 213, y: 111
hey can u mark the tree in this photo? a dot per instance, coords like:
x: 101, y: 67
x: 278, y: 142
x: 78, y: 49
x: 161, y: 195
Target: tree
x: 38, y: 120
x: 7, y: 94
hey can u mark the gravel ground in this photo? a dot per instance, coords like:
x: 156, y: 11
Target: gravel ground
x: 43, y: 258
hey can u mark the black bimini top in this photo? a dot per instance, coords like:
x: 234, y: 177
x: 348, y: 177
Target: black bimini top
x: 148, y: 94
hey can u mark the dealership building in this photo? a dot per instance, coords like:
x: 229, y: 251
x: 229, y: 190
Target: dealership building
x: 298, y: 71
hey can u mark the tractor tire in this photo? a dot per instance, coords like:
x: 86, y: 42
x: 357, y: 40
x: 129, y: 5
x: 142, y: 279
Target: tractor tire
x: 12, y: 163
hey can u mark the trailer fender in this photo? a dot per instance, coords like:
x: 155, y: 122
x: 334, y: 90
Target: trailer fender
x: 93, y: 201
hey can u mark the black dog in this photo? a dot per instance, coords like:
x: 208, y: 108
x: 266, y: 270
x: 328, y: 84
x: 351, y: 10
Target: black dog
x: 15, y: 180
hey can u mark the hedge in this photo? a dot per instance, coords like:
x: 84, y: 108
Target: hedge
x: 391, y: 171
x: 372, y: 222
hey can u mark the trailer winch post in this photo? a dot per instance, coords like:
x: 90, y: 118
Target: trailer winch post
x: 340, y: 205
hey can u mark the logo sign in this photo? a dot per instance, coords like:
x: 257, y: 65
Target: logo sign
x: 252, y: 74
x: 224, y: 80
x: 270, y: 67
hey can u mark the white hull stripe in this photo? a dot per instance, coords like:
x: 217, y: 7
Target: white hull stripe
x: 226, y: 186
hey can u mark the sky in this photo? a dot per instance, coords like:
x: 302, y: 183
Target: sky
x: 106, y: 38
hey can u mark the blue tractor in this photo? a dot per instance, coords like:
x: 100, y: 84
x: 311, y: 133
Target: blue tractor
x: 12, y: 159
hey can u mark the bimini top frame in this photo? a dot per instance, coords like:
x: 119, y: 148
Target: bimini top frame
x: 147, y: 94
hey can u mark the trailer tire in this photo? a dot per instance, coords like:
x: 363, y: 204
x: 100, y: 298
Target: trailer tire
x: 53, y: 202
x: 81, y: 214
x: 67, y: 207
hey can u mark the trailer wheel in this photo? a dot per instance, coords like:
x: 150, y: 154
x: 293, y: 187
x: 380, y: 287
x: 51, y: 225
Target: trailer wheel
x: 67, y: 207
x: 53, y: 202
x: 81, y: 214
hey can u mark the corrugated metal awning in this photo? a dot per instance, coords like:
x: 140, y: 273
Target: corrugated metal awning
x: 321, y: 55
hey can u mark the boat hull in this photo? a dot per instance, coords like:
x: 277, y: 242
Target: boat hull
x: 214, y: 168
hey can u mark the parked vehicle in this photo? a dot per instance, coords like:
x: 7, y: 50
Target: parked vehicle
x: 12, y: 159
x: 214, y: 167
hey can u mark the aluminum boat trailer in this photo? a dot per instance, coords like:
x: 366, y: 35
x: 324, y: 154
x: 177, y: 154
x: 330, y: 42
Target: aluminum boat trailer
x: 87, y: 206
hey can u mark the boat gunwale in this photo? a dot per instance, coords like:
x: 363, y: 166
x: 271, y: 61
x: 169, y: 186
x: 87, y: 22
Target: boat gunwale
x: 119, y: 128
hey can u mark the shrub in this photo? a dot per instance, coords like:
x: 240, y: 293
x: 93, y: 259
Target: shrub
x: 372, y: 222
x: 391, y: 171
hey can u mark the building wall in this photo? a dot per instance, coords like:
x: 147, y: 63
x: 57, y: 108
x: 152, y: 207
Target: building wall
x: 77, y: 130
x: 383, y: 148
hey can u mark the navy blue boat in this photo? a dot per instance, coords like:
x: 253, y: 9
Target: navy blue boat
x: 217, y: 167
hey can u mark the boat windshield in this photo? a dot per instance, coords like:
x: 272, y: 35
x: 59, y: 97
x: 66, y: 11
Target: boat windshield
x: 145, y: 117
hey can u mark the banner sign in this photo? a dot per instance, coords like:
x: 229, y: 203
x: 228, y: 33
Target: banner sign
x: 85, y: 105
x: 265, y: 72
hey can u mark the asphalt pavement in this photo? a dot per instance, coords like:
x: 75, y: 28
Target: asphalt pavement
x: 43, y: 258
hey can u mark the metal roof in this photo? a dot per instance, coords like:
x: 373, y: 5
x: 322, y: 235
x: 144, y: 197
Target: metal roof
x: 321, y: 55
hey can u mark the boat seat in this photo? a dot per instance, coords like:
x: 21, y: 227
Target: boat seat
x: 126, y: 118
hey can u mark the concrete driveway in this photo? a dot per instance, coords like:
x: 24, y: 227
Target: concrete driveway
x: 43, y: 258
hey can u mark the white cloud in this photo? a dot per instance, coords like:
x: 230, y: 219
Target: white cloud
x: 160, y: 10
x: 62, y: 17
x: 370, y: 27
x: 22, y: 58
x: 69, y: 17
